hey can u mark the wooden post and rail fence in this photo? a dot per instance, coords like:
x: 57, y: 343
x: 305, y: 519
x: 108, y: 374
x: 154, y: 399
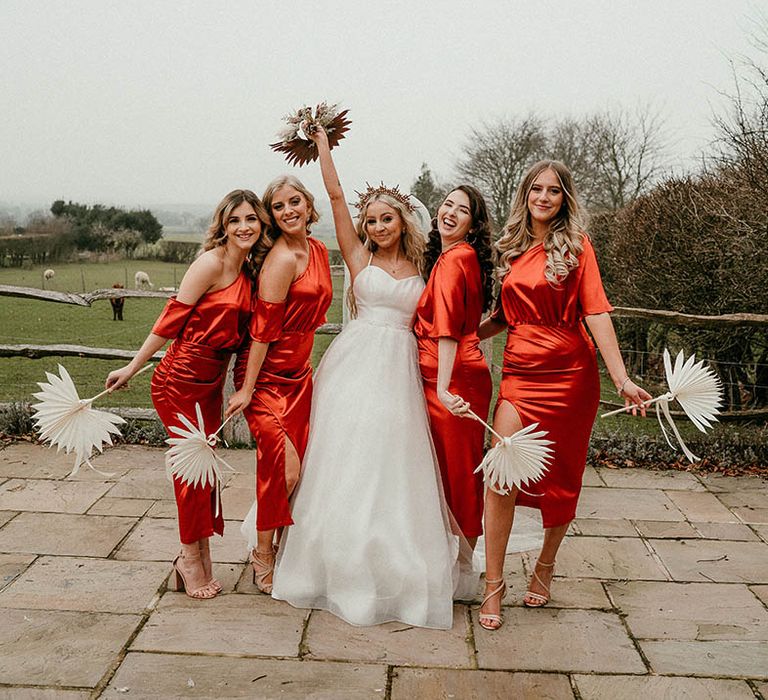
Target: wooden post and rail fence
x: 239, y: 431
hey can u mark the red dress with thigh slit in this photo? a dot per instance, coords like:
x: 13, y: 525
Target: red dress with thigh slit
x: 550, y: 369
x: 282, y: 398
x: 193, y: 370
x: 451, y: 307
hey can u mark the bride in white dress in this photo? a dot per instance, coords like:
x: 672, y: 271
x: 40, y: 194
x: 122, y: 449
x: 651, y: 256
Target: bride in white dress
x: 373, y: 540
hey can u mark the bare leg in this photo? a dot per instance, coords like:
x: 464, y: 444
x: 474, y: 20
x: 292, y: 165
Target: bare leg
x: 553, y: 537
x: 190, y: 572
x: 499, y: 515
x: 205, y: 556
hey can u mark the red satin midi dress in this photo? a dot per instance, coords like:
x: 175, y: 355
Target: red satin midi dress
x: 282, y: 398
x: 193, y: 370
x: 550, y: 369
x: 451, y: 307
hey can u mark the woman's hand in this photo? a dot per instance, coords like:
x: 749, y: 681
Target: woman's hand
x: 455, y: 404
x: 634, y: 396
x: 316, y: 133
x: 238, y: 402
x: 118, y: 379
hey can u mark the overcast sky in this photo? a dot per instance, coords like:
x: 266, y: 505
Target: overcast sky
x: 149, y: 102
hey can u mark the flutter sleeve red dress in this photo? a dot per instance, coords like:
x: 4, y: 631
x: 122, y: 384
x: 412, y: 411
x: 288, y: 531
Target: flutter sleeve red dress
x: 282, y: 398
x: 550, y: 369
x: 451, y: 307
x: 192, y: 371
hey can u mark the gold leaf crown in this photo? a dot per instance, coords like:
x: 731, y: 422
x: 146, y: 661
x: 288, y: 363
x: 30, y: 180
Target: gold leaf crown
x: 393, y: 192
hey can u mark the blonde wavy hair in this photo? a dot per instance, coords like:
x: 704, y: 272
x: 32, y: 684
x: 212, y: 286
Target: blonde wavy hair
x: 413, y: 240
x: 563, y: 242
x: 217, y: 231
x: 265, y: 243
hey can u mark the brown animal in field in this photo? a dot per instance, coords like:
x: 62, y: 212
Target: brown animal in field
x: 117, y: 304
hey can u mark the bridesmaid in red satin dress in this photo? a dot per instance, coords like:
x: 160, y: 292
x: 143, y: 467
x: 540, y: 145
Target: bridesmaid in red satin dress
x: 207, y: 321
x: 453, y: 368
x: 550, y: 373
x: 274, y: 372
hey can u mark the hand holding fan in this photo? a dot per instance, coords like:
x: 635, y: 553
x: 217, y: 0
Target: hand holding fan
x: 695, y: 387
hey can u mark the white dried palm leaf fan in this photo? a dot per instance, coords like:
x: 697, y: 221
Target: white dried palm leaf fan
x: 191, y: 457
x: 698, y: 391
x: 515, y: 460
x: 71, y: 423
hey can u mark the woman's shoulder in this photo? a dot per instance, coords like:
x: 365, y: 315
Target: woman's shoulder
x: 315, y: 243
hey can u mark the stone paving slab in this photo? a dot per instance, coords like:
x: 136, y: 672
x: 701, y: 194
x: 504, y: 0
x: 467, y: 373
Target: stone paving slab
x: 714, y: 561
x: 131, y: 457
x: 11, y: 565
x: 665, y: 529
x: 144, y: 675
x: 227, y: 624
x: 607, y: 558
x: 235, y: 503
x: 534, y: 640
x: 394, y: 643
x: 143, y: 483
x: 423, y: 683
x: 163, y: 509
x: 652, y: 687
x: 98, y: 585
x: 649, y: 479
x: 6, y: 515
x: 762, y: 688
x: 131, y: 507
x: 28, y: 693
x: 701, y: 507
x: 591, y: 477
x: 761, y: 592
x: 604, y: 527
x: 749, y: 506
x: 52, y: 647
x: 26, y: 460
x: 729, y: 659
x: 46, y: 496
x: 157, y: 539
x: 631, y: 504
x: 762, y: 531
x: 717, y: 483
x: 726, y: 531
x: 64, y: 534
x: 692, y: 611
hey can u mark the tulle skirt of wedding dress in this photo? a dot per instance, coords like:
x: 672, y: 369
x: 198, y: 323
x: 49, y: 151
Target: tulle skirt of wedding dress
x: 373, y: 540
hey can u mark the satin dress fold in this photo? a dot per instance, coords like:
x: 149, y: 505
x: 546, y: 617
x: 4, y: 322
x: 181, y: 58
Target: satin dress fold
x: 550, y: 372
x: 451, y: 307
x: 192, y: 371
x: 282, y: 398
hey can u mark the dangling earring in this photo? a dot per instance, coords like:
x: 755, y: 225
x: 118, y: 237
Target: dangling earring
x: 471, y: 237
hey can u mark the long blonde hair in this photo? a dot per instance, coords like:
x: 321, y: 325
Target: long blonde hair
x: 265, y: 243
x: 217, y: 231
x: 413, y: 241
x: 563, y: 242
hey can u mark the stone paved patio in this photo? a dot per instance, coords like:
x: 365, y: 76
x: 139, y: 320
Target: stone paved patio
x: 661, y: 591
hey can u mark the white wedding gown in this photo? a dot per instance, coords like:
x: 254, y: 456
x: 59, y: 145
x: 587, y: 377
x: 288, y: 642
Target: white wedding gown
x: 373, y: 540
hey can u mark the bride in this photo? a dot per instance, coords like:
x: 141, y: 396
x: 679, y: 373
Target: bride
x: 373, y: 540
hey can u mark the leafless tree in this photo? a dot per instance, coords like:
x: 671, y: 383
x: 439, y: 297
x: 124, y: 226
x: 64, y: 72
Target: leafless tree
x: 495, y: 156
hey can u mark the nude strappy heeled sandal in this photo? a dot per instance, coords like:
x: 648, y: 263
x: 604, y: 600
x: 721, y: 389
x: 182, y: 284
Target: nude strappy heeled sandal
x: 486, y: 619
x: 263, y: 564
x: 203, y: 592
x: 540, y: 600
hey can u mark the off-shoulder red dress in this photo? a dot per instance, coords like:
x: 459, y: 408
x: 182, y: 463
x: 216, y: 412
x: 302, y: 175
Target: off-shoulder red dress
x: 282, y: 398
x: 451, y: 307
x: 550, y: 369
x: 193, y: 371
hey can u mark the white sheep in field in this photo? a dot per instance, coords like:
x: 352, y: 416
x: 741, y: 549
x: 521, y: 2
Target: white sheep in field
x: 48, y: 274
x: 142, y: 281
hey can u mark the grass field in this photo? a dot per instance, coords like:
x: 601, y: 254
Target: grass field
x: 45, y: 323
x: 39, y: 322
